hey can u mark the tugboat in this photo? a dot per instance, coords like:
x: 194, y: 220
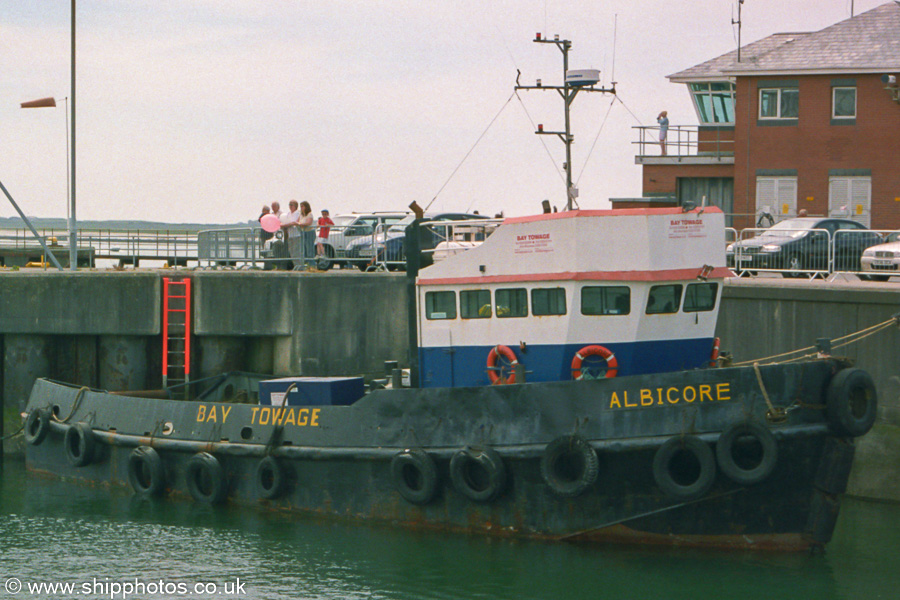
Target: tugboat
x: 565, y: 385
x: 565, y: 392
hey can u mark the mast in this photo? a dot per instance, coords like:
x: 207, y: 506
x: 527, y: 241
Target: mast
x: 567, y: 92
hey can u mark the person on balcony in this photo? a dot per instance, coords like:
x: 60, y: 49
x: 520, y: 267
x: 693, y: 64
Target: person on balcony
x: 663, y: 121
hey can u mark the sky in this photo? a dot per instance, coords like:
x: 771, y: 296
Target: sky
x: 202, y: 111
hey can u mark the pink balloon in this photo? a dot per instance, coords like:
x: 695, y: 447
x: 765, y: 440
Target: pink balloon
x: 270, y: 223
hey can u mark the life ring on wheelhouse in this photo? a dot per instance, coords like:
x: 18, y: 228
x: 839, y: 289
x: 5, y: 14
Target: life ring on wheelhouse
x: 612, y: 365
x: 495, y: 373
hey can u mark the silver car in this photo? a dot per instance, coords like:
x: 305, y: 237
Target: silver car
x: 879, y: 262
x: 350, y: 227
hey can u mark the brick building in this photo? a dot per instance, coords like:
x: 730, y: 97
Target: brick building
x: 793, y: 121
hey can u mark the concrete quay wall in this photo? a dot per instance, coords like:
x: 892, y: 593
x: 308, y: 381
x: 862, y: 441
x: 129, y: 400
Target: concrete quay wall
x: 104, y: 329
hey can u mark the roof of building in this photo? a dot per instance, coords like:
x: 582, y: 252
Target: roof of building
x: 869, y: 42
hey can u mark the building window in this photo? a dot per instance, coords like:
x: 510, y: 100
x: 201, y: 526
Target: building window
x: 714, y: 102
x: 779, y: 103
x: 700, y: 297
x: 512, y: 303
x: 664, y: 299
x: 475, y: 304
x: 549, y: 301
x: 605, y: 300
x: 843, y: 102
x: 440, y: 305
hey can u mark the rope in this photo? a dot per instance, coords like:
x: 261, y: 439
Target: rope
x: 846, y: 340
x: 75, y: 406
x: 774, y: 414
x: 597, y: 137
x: 508, y: 100
x: 13, y: 434
x: 546, y: 149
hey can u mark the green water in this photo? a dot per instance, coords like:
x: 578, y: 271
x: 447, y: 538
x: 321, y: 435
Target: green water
x: 54, y: 532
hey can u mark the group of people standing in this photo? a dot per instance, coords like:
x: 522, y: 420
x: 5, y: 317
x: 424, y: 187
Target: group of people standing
x: 300, y: 231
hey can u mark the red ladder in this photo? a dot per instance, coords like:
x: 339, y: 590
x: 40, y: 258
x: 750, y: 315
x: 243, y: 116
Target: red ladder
x: 176, y: 330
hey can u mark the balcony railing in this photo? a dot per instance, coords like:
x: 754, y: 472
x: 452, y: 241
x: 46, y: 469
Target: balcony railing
x: 683, y: 141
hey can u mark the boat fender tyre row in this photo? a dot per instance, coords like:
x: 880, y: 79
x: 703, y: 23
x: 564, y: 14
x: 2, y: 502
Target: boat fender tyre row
x: 569, y: 465
x: 493, y: 370
x: 734, y: 463
x: 80, y: 444
x: 145, y: 471
x: 269, y: 478
x: 37, y: 424
x: 684, y: 468
x: 415, y: 476
x: 851, y: 403
x: 478, y: 474
x: 612, y: 365
x: 206, y: 478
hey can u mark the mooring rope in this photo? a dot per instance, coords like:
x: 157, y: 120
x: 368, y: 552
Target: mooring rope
x: 846, y: 340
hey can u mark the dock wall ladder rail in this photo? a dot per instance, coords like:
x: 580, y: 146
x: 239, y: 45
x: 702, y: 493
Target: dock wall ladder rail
x: 176, y: 330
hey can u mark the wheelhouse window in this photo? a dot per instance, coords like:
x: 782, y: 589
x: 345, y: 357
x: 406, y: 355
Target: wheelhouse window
x: 843, y: 103
x: 714, y: 101
x: 549, y: 301
x: 779, y: 103
x: 700, y: 297
x: 440, y: 305
x: 664, y: 299
x: 511, y: 302
x: 605, y: 300
x: 475, y: 304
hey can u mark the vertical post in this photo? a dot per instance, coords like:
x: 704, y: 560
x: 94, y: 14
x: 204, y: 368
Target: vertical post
x: 73, y: 242
x: 187, y: 331
x: 165, y: 333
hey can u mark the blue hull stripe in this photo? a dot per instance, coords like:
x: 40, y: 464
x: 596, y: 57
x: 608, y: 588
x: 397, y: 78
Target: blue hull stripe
x: 461, y: 366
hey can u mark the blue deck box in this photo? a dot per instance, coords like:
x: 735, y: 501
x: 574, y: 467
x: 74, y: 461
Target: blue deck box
x: 311, y: 391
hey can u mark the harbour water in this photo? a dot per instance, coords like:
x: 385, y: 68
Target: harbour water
x: 109, y: 544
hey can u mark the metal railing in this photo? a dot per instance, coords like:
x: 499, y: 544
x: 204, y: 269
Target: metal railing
x: 681, y: 141
x: 804, y: 252
x: 125, y: 245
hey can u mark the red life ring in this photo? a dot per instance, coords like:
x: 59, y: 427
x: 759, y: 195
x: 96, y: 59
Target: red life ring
x: 714, y: 357
x: 494, y: 373
x: 612, y: 365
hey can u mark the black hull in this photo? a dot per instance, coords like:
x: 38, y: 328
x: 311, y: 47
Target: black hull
x: 339, y: 462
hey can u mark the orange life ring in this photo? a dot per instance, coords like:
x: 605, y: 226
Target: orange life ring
x: 612, y: 365
x: 494, y: 372
x: 714, y: 357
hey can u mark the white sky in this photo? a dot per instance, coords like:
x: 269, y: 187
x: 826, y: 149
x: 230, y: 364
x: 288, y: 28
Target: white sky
x: 203, y: 110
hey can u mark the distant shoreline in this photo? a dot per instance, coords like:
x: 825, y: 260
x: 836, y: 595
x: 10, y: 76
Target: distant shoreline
x: 54, y: 223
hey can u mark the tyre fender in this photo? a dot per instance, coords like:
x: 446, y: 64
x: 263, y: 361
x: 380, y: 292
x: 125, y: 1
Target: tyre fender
x: 569, y: 465
x: 145, y: 471
x: 478, y: 474
x: 270, y: 479
x: 80, y: 444
x: 732, y: 468
x: 205, y: 479
x: 851, y: 403
x: 414, y: 475
x: 689, y: 486
x: 37, y: 425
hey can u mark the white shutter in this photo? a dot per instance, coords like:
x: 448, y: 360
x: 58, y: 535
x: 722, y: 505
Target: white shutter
x: 851, y: 198
x: 787, y: 197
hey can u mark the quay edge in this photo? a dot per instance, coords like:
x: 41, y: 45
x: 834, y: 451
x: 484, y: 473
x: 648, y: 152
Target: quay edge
x: 103, y: 329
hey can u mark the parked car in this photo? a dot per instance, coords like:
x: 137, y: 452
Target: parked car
x: 803, y: 246
x: 351, y: 227
x: 389, y: 247
x: 879, y: 262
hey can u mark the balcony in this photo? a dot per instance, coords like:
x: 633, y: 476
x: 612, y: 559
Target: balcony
x: 686, y: 144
